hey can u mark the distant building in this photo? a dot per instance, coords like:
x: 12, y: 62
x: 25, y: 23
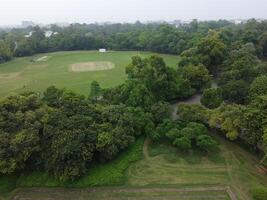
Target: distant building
x: 48, y: 34
x: 29, y: 35
x: 26, y: 24
x: 102, y: 50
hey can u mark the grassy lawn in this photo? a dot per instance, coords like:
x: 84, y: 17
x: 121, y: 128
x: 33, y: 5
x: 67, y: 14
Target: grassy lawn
x: 118, y: 194
x: 231, y: 166
x: 36, y: 74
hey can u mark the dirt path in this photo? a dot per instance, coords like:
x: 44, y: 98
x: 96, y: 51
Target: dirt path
x: 195, y: 99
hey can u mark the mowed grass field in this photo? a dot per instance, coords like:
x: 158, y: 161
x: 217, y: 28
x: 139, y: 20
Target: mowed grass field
x: 163, y: 172
x: 38, y: 72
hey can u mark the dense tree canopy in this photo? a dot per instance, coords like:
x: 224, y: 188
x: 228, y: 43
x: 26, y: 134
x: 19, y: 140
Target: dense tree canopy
x: 211, y: 98
x: 198, y: 77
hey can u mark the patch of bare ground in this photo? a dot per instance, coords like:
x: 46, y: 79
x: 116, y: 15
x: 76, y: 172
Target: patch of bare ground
x: 91, y: 66
x: 8, y: 76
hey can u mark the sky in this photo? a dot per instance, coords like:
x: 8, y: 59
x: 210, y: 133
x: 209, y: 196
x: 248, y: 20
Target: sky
x: 89, y: 11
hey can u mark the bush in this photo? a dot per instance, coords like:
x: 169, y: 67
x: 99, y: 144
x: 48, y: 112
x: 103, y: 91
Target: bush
x: 259, y: 193
x: 7, y: 183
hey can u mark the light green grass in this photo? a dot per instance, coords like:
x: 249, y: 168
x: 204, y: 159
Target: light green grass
x: 231, y: 166
x: 26, y: 73
x: 118, y: 194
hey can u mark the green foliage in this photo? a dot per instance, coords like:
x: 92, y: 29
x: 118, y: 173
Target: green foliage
x: 192, y: 113
x: 228, y: 118
x: 21, y: 120
x: 184, y: 136
x: 235, y: 92
x: 7, y: 183
x: 205, y: 142
x: 160, y: 111
x: 95, y: 91
x: 263, y: 44
x: 194, y: 134
x: 112, y: 172
x: 211, y: 52
x: 152, y: 79
x: 198, y: 77
x: 66, y: 138
x: 140, y: 96
x: 37, y: 179
x: 259, y: 193
x: 258, y: 87
x: 211, y: 98
x: 100, y: 174
x: 5, y: 52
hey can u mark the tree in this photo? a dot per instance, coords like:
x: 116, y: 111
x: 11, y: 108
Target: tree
x: 263, y: 44
x: 211, y: 52
x: 163, y: 82
x: 21, y: 121
x: 191, y: 113
x: 183, y: 143
x: 258, y: 87
x: 193, y: 135
x: 206, y: 143
x: 96, y: 91
x: 160, y: 111
x: 161, y: 130
x: 198, y: 77
x: 140, y: 96
x: 5, y: 52
x: 235, y: 92
x: 52, y: 96
x: 228, y: 118
x: 211, y: 98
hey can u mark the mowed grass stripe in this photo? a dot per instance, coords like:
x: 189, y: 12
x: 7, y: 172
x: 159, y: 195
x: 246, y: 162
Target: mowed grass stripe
x: 212, y: 193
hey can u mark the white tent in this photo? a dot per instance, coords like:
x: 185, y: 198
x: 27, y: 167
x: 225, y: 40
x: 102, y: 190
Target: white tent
x: 102, y: 50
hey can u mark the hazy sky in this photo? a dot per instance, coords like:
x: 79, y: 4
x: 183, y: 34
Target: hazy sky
x: 48, y: 11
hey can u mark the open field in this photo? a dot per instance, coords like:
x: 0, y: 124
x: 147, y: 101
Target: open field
x: 232, y: 166
x: 166, y: 173
x: 38, y: 72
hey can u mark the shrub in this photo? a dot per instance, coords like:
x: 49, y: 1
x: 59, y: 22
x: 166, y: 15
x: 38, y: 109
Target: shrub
x: 259, y: 193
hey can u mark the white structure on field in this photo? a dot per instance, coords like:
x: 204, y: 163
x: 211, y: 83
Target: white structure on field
x: 102, y: 50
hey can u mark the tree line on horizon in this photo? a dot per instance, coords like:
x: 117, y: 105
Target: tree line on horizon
x: 155, y: 37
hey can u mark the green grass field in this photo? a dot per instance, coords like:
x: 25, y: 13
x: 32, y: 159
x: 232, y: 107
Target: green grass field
x: 38, y: 72
x: 232, y: 166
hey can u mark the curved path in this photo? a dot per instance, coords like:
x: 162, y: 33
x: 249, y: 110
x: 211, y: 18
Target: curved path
x: 195, y: 99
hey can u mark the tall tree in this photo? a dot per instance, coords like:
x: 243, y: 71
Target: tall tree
x: 96, y: 91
